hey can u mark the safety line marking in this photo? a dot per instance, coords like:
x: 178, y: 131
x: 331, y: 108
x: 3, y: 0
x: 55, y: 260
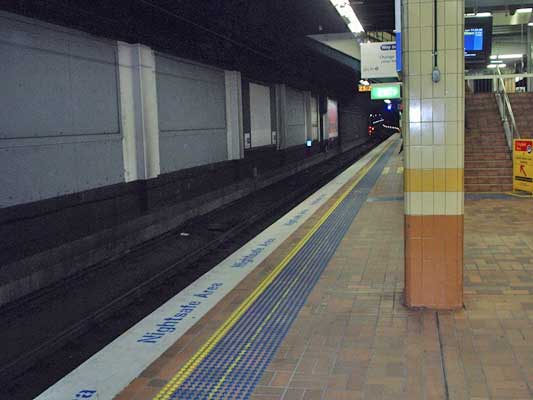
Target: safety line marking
x: 129, y: 354
x: 166, y: 392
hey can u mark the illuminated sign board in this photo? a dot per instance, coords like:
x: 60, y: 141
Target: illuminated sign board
x: 365, y: 88
x: 383, y: 92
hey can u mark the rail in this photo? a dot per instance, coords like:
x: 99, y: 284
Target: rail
x: 506, y: 111
x: 495, y: 83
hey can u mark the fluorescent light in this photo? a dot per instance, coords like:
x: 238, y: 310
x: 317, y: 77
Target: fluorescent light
x: 387, y: 101
x: 481, y: 14
x: 345, y: 10
x: 493, y: 57
x: 524, y: 10
x: 509, y: 56
x: 496, y: 62
x: 496, y: 66
x: 364, y: 82
x: 530, y: 24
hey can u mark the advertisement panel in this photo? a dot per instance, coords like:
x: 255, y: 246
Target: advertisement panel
x: 378, y: 60
x: 333, y: 119
x: 523, y: 165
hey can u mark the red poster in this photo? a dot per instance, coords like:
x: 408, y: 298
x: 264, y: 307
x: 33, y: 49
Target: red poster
x: 522, y: 145
x: 333, y: 125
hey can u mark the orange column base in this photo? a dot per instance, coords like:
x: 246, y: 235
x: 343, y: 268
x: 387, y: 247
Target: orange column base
x: 434, y: 261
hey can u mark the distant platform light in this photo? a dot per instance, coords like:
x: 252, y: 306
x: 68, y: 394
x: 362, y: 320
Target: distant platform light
x: 481, y: 14
x: 309, y: 143
x: 509, y: 56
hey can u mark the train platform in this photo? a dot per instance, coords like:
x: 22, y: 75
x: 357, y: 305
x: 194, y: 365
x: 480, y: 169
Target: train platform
x: 312, y: 308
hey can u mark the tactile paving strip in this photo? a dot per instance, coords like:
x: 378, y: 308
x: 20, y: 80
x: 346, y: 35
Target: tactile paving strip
x: 233, y: 367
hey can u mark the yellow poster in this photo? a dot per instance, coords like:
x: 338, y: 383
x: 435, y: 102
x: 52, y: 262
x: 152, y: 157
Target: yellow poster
x: 523, y: 165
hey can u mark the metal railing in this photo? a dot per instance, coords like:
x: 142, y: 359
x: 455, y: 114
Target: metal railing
x: 506, y: 111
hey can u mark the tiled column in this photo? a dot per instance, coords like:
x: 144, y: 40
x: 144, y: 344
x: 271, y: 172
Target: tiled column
x: 434, y: 152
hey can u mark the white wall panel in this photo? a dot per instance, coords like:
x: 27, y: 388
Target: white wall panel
x: 59, y: 117
x: 296, y: 134
x: 314, y: 118
x: 260, y: 115
x: 192, y: 114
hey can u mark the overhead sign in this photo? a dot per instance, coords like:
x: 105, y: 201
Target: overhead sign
x: 365, y: 88
x: 398, y: 29
x: 383, y: 92
x: 523, y: 165
x: 378, y: 60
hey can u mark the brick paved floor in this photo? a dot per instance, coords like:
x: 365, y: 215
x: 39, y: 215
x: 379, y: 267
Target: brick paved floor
x: 354, y: 339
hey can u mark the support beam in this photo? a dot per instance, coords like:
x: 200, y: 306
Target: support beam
x: 234, y: 115
x: 138, y: 108
x: 281, y: 112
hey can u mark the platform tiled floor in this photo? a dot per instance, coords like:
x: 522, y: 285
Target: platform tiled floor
x: 354, y: 339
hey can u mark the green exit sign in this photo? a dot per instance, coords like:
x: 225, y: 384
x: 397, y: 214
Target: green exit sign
x: 383, y: 92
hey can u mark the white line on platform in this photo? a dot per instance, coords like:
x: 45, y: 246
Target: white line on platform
x: 109, y: 371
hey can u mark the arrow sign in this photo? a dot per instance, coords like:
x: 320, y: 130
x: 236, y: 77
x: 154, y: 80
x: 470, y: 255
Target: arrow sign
x: 523, y: 170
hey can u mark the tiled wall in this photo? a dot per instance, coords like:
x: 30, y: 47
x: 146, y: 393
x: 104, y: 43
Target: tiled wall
x: 434, y: 153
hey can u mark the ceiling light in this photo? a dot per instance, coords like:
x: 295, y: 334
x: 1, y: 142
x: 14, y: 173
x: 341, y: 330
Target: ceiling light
x: 496, y: 66
x: 524, y: 10
x: 493, y: 57
x: 509, y: 56
x: 387, y: 101
x: 530, y: 24
x: 496, y: 62
x: 345, y: 10
x: 481, y: 14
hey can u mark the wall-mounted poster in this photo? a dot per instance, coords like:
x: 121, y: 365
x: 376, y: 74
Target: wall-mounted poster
x: 333, y: 119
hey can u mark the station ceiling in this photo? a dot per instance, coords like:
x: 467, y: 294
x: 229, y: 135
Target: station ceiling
x: 265, y: 40
x: 375, y: 15
x: 378, y: 15
x: 493, y: 5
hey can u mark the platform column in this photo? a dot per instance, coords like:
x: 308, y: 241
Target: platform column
x: 138, y: 109
x: 433, y: 153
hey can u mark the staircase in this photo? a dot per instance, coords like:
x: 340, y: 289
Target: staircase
x: 522, y: 104
x: 488, y: 162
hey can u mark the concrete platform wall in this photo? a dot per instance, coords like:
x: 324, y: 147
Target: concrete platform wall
x: 105, y: 144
